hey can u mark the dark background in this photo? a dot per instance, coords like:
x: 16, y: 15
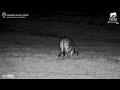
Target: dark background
x: 42, y: 20
x: 24, y: 43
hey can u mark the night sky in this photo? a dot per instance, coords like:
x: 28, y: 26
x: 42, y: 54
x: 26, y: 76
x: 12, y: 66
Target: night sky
x: 86, y: 16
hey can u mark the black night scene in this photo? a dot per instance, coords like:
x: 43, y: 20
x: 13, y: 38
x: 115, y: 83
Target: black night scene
x: 82, y: 43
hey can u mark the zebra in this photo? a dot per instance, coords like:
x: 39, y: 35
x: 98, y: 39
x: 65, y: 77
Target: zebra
x: 68, y: 47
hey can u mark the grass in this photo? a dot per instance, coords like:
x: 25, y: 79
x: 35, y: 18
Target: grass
x: 38, y: 59
x: 35, y: 56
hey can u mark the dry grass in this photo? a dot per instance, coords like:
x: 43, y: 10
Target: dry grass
x: 38, y: 59
x: 34, y: 63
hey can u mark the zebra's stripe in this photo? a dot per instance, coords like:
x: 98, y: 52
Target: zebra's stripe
x: 68, y: 46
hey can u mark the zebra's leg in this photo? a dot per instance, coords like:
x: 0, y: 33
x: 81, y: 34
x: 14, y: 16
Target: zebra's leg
x: 64, y: 53
x: 60, y: 54
x: 76, y: 51
x: 71, y: 53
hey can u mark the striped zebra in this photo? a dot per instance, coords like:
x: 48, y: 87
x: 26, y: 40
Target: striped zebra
x: 68, y: 48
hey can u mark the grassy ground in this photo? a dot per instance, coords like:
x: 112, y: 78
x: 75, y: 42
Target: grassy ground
x: 34, y: 57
